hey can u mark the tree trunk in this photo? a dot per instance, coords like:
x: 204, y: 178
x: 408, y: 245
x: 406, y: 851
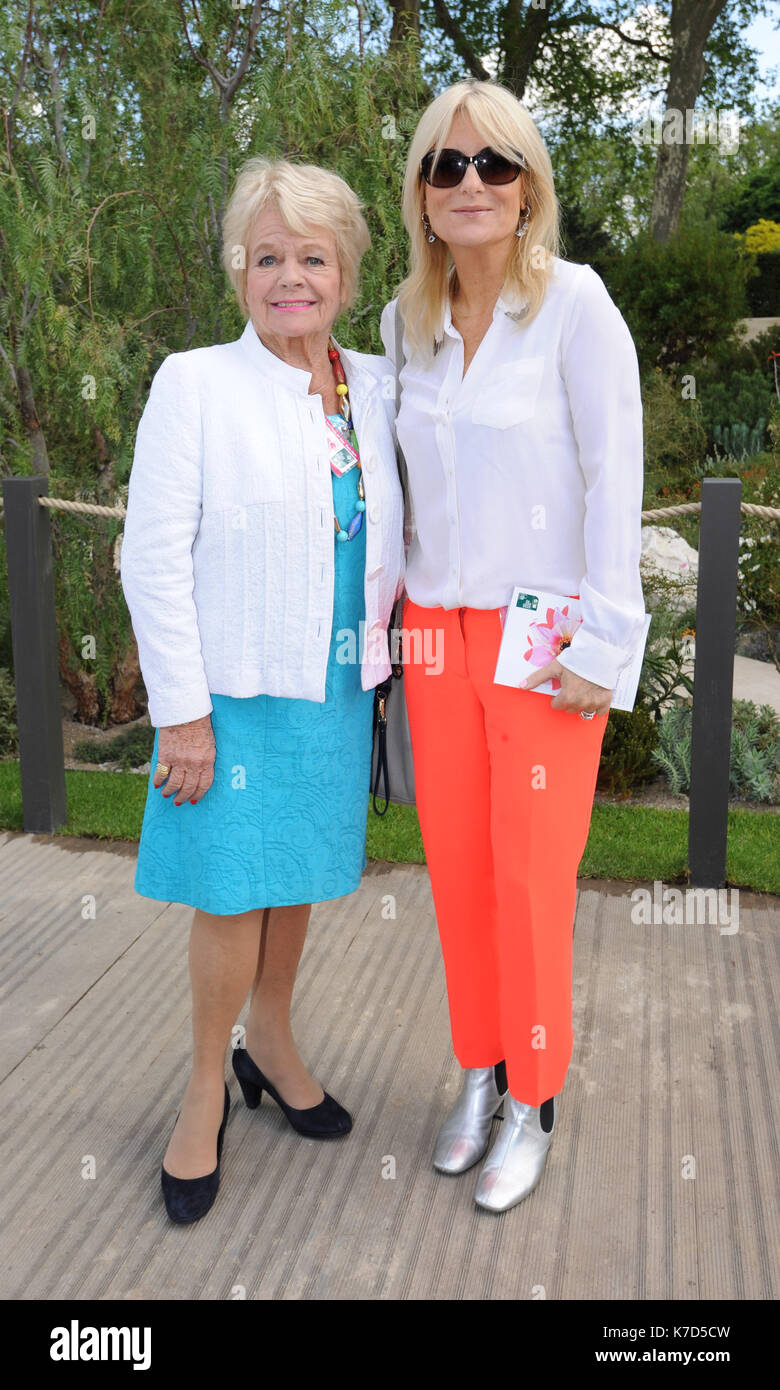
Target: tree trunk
x: 40, y: 454
x: 691, y: 24
x: 406, y: 21
x: 80, y: 683
x: 524, y: 29
x: 124, y: 706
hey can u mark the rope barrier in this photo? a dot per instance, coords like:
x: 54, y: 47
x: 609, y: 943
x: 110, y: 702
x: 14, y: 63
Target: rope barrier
x: 61, y: 504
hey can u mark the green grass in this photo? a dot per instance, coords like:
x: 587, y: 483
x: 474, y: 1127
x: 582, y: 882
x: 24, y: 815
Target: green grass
x: 625, y: 842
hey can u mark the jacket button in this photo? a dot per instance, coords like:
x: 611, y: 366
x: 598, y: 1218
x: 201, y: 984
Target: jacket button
x: 368, y: 465
x: 374, y: 513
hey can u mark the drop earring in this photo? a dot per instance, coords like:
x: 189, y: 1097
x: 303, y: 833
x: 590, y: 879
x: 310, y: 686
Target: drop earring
x: 431, y: 235
x: 522, y: 227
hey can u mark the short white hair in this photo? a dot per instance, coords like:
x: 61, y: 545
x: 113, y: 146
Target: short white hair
x: 307, y: 198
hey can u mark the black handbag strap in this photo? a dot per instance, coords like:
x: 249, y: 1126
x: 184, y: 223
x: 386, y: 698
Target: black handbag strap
x: 380, y: 734
x: 381, y: 698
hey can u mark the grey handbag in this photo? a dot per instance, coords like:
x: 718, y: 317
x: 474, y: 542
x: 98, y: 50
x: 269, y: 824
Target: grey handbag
x: 391, y: 758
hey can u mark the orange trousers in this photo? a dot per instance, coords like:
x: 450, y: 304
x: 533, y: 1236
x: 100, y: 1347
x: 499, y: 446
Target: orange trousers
x: 504, y: 787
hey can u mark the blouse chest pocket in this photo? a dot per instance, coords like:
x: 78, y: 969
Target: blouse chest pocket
x: 510, y: 395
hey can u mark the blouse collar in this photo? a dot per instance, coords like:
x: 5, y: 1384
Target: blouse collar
x: 297, y: 379
x: 511, y: 303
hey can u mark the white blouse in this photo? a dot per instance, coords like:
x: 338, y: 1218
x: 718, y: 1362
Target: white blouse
x: 530, y: 469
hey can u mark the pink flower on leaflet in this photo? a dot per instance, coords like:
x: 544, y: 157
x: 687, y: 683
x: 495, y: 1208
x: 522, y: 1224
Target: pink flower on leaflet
x: 547, y: 640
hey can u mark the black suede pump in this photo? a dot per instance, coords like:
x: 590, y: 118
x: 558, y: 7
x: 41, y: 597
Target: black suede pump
x: 328, y: 1120
x: 187, y: 1199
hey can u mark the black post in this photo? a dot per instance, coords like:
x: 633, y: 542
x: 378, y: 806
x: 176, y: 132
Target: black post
x: 36, y: 669
x: 716, y: 611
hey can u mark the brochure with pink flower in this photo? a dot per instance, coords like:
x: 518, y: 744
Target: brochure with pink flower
x: 537, y: 627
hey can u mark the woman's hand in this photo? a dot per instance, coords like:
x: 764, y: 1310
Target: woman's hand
x: 575, y: 693
x: 189, y: 751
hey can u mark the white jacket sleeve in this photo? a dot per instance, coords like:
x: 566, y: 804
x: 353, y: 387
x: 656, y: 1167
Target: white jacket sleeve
x: 163, y: 518
x: 387, y: 329
x: 387, y: 334
x: 600, y: 369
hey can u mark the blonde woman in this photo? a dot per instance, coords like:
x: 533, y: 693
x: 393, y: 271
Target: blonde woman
x: 262, y: 554
x: 521, y: 424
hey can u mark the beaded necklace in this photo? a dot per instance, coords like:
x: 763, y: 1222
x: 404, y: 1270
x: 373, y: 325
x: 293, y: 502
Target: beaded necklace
x: 342, y: 390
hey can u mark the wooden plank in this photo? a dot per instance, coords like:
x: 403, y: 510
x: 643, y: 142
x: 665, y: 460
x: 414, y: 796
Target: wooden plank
x: 676, y: 1052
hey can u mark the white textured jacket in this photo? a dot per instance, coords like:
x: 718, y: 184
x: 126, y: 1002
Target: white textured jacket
x: 227, y: 559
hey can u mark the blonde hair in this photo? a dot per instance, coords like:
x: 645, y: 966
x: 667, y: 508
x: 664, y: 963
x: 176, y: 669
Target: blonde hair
x: 306, y: 198
x: 503, y: 122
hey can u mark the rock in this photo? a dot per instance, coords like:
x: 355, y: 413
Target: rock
x: 665, y: 553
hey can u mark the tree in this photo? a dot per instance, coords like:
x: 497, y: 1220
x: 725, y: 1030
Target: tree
x: 690, y: 27
x: 114, y: 172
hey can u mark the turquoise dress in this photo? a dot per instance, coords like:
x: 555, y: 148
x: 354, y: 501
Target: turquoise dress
x: 284, y: 820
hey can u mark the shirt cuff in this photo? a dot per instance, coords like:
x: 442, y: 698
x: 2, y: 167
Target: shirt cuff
x: 594, y: 659
x: 179, y: 706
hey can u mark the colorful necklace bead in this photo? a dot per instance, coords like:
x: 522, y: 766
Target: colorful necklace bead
x: 342, y: 390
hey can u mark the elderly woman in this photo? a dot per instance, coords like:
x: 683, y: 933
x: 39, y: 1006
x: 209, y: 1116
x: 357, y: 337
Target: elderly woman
x: 521, y: 424
x: 263, y: 549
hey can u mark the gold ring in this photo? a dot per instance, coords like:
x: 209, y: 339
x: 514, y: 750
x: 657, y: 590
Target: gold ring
x: 163, y: 768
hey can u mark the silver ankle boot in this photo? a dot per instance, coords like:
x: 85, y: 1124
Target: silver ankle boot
x: 516, y: 1161
x: 465, y: 1134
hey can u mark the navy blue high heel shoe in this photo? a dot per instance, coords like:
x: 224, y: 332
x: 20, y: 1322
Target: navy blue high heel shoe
x: 187, y: 1199
x: 328, y: 1120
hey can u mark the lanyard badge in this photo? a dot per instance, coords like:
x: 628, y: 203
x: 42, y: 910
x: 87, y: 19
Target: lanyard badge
x: 343, y: 455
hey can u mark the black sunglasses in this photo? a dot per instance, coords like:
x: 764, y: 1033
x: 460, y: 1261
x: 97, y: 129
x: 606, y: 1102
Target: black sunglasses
x: 452, y: 165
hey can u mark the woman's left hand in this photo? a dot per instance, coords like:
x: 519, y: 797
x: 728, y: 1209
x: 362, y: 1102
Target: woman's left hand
x: 575, y: 693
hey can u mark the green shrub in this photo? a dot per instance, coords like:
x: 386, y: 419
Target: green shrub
x: 753, y: 354
x: 662, y: 669
x: 757, y: 195
x: 674, y: 433
x: 740, y: 441
x: 758, y: 570
x: 625, y: 763
x: 9, y: 744
x: 585, y: 241
x: 730, y: 396
x: 684, y: 297
x: 763, y: 287
x: 754, y: 763
x: 132, y: 748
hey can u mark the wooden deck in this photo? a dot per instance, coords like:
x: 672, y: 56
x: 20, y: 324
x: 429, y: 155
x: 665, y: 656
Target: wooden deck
x: 676, y: 1055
